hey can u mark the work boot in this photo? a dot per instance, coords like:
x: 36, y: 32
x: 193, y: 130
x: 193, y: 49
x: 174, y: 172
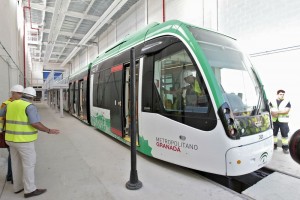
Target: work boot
x: 286, y: 151
x: 275, y: 146
x: 35, y: 193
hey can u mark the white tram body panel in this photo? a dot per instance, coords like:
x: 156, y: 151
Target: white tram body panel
x: 209, y: 151
x: 245, y: 158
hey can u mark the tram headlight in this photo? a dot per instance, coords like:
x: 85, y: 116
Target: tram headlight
x: 227, y: 119
x: 232, y: 131
x: 226, y: 111
x: 230, y: 121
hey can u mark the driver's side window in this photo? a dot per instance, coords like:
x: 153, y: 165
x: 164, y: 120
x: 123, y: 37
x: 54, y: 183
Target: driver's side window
x: 178, y: 83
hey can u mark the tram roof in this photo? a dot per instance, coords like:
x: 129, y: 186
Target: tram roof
x: 136, y: 38
x: 147, y: 32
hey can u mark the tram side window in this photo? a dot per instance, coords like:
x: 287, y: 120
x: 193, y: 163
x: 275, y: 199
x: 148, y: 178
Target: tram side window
x: 101, y: 90
x: 84, y: 97
x: 178, y: 84
x: 95, y: 88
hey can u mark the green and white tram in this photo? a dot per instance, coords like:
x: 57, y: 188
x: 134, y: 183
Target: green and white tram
x: 200, y: 103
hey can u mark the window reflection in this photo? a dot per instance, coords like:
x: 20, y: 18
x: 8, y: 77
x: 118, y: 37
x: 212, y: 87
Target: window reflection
x: 179, y: 85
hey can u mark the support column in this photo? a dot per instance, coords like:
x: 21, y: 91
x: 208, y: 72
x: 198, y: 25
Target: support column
x: 43, y: 95
x: 55, y: 100
x: 52, y: 99
x: 61, y: 102
x: 49, y: 99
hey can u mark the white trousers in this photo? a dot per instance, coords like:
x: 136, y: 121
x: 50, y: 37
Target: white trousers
x: 23, y: 159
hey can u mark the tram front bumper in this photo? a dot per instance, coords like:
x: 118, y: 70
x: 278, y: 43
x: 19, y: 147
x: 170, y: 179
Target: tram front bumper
x: 248, y: 158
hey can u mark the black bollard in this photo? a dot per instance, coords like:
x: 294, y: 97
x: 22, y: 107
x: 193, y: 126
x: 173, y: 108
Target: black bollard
x: 133, y: 183
x: 294, y: 146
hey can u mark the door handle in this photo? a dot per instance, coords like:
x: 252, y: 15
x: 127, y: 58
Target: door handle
x: 120, y: 103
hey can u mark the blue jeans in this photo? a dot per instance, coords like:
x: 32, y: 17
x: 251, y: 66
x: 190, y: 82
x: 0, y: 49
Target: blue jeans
x: 9, y: 172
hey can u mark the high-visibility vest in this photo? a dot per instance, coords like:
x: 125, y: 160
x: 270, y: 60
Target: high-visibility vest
x: 281, y: 117
x: 18, y: 128
x: 2, y: 119
x: 196, y: 88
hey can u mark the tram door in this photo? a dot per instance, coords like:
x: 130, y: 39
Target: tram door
x: 84, y: 98
x: 127, y: 101
x: 76, y: 98
x: 116, y: 88
x: 120, y: 93
x: 71, y: 99
x: 80, y: 110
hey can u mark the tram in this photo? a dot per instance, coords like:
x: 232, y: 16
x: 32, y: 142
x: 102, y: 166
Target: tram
x: 200, y: 102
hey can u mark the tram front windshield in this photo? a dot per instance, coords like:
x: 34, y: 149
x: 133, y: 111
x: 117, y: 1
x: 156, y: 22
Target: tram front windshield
x: 232, y: 70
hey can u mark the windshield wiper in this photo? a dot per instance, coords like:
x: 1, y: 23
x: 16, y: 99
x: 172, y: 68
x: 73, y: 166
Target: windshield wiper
x: 260, y: 98
x: 260, y: 93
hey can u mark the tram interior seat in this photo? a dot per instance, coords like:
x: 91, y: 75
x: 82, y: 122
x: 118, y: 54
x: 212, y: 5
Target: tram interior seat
x: 168, y: 104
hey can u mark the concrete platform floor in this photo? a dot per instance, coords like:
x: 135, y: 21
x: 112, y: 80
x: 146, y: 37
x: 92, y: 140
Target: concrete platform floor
x: 276, y: 186
x: 82, y: 163
x: 282, y: 184
x: 284, y: 163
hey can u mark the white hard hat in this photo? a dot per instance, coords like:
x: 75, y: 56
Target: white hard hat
x: 188, y: 73
x: 17, y: 88
x: 30, y: 91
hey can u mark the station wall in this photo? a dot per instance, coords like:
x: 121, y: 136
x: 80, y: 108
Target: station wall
x: 11, y: 39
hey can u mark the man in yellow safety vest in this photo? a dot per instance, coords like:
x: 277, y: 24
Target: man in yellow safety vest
x: 22, y: 125
x: 16, y: 93
x: 280, y: 116
x: 193, y: 90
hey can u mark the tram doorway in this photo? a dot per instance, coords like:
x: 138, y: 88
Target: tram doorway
x: 127, y: 101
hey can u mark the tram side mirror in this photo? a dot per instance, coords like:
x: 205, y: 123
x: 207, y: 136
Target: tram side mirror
x: 152, y: 48
x: 294, y: 146
x: 155, y: 46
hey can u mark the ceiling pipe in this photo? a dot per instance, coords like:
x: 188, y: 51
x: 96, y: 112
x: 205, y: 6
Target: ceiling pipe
x: 29, y: 8
x: 24, y: 33
x: 164, y: 10
x: 24, y: 50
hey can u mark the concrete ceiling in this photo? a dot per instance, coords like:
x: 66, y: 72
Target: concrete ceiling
x: 61, y: 28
